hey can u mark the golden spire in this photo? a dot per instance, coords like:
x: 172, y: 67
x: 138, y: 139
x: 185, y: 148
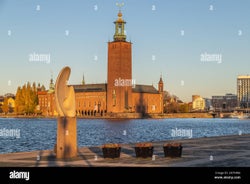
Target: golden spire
x: 119, y: 26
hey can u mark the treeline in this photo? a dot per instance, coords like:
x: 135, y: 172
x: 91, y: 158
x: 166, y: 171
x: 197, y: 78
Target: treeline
x: 26, y: 100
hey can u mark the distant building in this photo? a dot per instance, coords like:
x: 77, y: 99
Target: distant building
x: 208, y: 103
x: 1, y: 100
x: 243, y: 91
x: 46, y: 103
x: 11, y: 101
x: 9, y: 95
x: 227, y: 102
x: 120, y: 94
x: 1, y: 103
x: 46, y: 100
x: 198, y: 103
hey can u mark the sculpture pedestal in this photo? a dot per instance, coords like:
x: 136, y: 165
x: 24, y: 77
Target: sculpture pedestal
x: 66, y: 143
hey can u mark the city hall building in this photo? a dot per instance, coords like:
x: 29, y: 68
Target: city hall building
x: 120, y: 94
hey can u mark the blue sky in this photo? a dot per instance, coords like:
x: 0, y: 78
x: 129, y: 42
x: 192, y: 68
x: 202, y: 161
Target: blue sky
x: 168, y: 38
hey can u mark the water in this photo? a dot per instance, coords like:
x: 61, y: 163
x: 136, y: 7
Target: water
x: 40, y: 134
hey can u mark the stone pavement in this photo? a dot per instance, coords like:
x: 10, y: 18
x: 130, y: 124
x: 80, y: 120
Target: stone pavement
x: 223, y: 151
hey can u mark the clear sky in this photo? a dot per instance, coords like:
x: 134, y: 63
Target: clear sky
x: 168, y: 36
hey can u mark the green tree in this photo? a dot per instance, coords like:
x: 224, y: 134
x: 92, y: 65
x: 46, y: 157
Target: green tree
x: 5, y: 106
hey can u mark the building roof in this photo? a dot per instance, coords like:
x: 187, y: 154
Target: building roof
x: 42, y: 92
x: 243, y: 77
x: 103, y: 88
x: 8, y: 95
x: 90, y: 88
x: 145, y: 89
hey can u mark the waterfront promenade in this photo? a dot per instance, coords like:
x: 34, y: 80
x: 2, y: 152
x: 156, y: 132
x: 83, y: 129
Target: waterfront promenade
x: 223, y: 151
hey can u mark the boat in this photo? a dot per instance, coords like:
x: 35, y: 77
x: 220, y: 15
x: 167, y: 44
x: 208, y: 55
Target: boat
x: 240, y: 116
x: 244, y: 116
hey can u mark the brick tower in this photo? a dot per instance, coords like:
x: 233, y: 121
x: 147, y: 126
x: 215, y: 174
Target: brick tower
x: 119, y: 87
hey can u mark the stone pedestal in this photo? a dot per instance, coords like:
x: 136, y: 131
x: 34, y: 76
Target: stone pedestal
x: 66, y: 144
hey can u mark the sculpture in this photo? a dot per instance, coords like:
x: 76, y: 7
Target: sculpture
x: 66, y: 144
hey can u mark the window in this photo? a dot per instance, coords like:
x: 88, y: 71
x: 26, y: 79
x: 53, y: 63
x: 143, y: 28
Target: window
x: 114, y: 98
x: 126, y: 99
x: 119, y: 29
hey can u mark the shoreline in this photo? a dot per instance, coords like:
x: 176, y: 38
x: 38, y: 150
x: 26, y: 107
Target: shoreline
x: 121, y: 116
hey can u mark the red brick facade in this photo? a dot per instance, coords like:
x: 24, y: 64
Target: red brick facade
x: 47, y: 103
x: 147, y: 103
x: 94, y: 103
x: 91, y: 103
x: 120, y: 94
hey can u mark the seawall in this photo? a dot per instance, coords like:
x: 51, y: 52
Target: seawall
x: 125, y: 116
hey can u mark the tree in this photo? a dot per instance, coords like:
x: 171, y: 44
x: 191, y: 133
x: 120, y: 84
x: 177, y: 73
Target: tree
x: 34, y: 88
x: 171, y: 103
x: 18, y: 101
x: 26, y: 99
x: 184, y: 108
x: 43, y: 88
x: 172, y: 107
x: 5, y: 106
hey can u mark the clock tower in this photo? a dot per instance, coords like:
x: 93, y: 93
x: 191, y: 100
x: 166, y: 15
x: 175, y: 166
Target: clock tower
x: 119, y: 87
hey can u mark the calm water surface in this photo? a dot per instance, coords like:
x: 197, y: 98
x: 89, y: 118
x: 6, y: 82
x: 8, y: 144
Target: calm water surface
x: 40, y: 134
